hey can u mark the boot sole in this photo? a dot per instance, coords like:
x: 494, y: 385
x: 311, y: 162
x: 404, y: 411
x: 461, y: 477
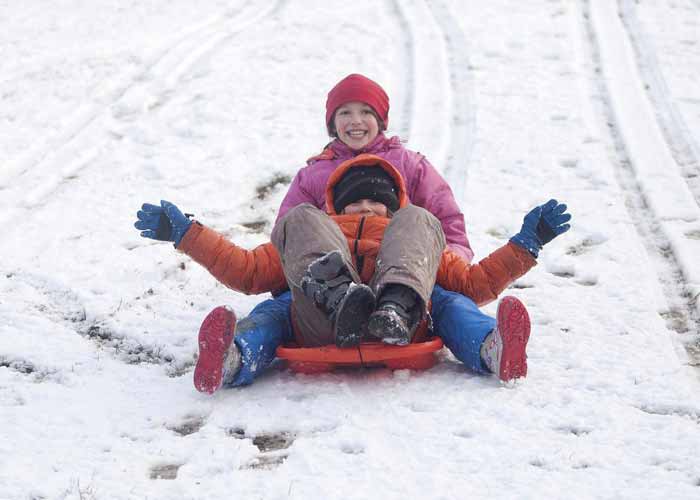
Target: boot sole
x: 215, y: 337
x: 514, y: 327
x: 353, y: 315
x: 388, y: 328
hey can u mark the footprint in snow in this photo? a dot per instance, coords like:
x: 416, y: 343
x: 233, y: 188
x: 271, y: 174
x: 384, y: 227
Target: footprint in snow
x: 273, y: 441
x: 190, y: 425
x: 589, y: 278
x: 352, y: 448
x: 569, y: 162
x: 693, y: 235
x: 164, y: 471
x: 270, y: 446
x: 575, y: 430
x: 586, y: 244
x: 463, y: 434
x: 266, y: 462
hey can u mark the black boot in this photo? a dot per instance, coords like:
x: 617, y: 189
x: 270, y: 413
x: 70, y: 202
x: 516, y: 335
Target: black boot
x: 353, y: 314
x: 347, y: 304
x: 396, y: 316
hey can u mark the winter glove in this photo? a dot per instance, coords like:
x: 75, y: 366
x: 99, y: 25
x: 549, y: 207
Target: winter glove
x: 541, y: 225
x: 164, y: 222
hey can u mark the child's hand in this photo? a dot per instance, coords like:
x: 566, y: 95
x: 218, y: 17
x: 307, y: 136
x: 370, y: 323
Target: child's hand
x: 541, y: 225
x: 164, y: 223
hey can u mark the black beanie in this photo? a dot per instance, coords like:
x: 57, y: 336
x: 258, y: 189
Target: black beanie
x: 372, y: 183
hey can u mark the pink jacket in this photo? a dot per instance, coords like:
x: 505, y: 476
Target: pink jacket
x: 426, y: 187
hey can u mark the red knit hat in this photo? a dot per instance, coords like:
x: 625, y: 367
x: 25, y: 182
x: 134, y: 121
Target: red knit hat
x: 357, y: 88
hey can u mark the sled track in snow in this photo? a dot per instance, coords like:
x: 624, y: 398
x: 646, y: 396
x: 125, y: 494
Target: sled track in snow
x: 430, y: 92
x: 438, y: 113
x: 30, y: 179
x: 682, y: 316
x: 682, y: 144
x: 463, y: 120
x: 408, y: 83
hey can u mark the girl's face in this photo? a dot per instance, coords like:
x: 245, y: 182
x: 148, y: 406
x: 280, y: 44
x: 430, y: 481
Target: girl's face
x: 356, y: 124
x: 366, y: 207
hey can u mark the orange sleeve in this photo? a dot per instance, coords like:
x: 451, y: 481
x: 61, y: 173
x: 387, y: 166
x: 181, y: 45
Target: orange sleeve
x: 483, y: 282
x: 248, y: 271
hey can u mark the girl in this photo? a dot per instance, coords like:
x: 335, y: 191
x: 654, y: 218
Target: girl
x: 357, y: 114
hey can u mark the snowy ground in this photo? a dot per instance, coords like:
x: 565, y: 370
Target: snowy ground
x: 214, y: 106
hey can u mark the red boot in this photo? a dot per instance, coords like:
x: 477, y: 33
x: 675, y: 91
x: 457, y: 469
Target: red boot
x: 503, y: 350
x: 218, y: 357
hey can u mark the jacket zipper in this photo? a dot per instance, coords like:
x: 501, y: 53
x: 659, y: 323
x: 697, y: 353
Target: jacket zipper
x: 358, y: 259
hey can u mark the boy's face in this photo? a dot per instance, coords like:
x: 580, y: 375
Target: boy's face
x: 355, y: 124
x: 366, y: 207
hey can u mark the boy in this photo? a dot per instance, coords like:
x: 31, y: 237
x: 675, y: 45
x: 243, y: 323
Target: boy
x: 366, y: 267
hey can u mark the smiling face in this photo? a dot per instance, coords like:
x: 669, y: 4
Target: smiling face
x: 366, y: 207
x: 356, y: 124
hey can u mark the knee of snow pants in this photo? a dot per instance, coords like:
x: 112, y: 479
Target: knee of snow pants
x: 259, y: 334
x: 462, y: 326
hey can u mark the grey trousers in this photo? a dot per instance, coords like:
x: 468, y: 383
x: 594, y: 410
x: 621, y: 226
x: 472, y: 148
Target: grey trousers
x: 409, y: 254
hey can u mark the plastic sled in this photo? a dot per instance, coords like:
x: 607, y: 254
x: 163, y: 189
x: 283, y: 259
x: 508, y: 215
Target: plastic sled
x: 415, y: 356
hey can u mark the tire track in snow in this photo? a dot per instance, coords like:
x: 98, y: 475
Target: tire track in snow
x: 656, y: 222
x: 29, y: 180
x: 681, y: 142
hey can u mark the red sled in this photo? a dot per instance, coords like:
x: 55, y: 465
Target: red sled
x: 309, y: 360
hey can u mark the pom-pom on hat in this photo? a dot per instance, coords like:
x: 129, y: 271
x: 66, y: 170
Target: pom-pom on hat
x: 371, y: 182
x: 357, y: 88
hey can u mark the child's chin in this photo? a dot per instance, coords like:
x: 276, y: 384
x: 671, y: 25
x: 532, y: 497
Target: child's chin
x: 357, y: 143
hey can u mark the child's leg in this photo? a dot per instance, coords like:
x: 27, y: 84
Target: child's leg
x: 462, y: 326
x: 410, y: 252
x: 302, y: 236
x: 404, y: 276
x: 259, y: 334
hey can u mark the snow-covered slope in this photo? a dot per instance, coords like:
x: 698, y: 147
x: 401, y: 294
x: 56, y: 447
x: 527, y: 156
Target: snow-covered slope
x: 214, y: 106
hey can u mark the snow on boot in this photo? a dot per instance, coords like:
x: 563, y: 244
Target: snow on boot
x: 395, y: 319
x: 219, y: 358
x: 353, y: 315
x: 503, y: 350
x: 326, y: 282
x: 347, y: 304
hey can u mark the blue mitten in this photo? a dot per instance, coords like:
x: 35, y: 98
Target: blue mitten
x: 541, y: 225
x: 164, y: 223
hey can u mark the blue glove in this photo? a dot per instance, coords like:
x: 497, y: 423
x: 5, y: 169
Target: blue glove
x: 163, y: 223
x: 541, y: 225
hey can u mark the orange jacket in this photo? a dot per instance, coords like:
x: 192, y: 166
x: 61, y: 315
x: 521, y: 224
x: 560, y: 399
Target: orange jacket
x: 260, y: 270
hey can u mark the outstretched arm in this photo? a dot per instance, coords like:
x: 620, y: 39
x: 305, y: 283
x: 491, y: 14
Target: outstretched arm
x: 483, y: 282
x: 248, y: 271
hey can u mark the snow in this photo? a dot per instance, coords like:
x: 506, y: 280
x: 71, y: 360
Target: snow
x: 214, y: 106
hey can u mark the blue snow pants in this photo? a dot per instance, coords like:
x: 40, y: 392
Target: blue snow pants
x: 461, y: 325
x: 259, y: 334
x: 456, y: 320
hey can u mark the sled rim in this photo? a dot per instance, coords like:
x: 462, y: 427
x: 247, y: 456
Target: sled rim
x: 370, y: 352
